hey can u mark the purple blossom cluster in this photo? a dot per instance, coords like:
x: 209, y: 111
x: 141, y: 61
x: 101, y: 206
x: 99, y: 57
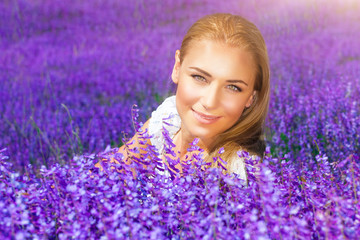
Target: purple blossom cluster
x: 70, y: 72
x: 123, y: 201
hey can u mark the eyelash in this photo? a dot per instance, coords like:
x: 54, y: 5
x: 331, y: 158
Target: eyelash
x: 202, y: 79
x: 196, y: 77
x: 234, y: 88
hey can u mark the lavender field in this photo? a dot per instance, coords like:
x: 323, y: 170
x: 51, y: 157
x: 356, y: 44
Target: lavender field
x: 70, y: 73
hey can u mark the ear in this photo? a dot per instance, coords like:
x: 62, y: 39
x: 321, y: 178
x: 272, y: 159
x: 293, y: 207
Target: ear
x: 176, y: 69
x: 251, y: 100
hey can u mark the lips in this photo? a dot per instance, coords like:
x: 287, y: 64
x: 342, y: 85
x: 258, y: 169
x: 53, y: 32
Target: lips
x: 205, y: 118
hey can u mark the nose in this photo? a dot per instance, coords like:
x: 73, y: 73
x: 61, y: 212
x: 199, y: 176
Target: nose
x: 210, y: 97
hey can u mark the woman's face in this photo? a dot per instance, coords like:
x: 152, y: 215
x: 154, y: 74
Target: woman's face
x: 215, y: 84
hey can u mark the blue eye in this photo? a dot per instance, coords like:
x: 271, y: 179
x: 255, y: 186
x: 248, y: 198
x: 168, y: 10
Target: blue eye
x: 234, y: 88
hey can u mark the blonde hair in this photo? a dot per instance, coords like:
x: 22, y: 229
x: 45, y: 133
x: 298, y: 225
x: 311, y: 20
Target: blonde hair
x: 235, y: 31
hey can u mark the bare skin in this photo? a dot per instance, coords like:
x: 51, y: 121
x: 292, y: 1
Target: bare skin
x: 215, y: 83
x: 132, y: 143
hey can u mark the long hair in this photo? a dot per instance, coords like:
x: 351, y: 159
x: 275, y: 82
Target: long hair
x: 235, y: 31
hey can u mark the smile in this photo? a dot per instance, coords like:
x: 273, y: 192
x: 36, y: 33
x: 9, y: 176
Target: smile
x: 204, y: 118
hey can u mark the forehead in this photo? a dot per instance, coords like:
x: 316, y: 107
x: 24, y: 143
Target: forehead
x: 220, y: 59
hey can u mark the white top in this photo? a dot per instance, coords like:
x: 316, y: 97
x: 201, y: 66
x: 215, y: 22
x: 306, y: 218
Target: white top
x: 166, y: 116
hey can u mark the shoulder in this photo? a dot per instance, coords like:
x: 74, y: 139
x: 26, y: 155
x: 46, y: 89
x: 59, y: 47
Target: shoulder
x: 166, y: 111
x: 165, y: 116
x: 237, y: 163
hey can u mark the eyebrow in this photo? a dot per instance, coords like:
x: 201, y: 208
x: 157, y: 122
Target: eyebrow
x: 209, y: 75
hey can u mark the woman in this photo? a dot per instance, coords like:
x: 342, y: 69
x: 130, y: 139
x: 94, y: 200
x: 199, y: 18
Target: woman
x: 222, y: 96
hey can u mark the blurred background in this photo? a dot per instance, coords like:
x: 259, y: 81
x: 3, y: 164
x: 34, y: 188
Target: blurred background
x: 71, y: 70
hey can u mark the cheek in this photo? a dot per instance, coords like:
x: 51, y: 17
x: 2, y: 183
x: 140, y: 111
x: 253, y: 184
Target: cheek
x: 185, y: 94
x: 234, y: 109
